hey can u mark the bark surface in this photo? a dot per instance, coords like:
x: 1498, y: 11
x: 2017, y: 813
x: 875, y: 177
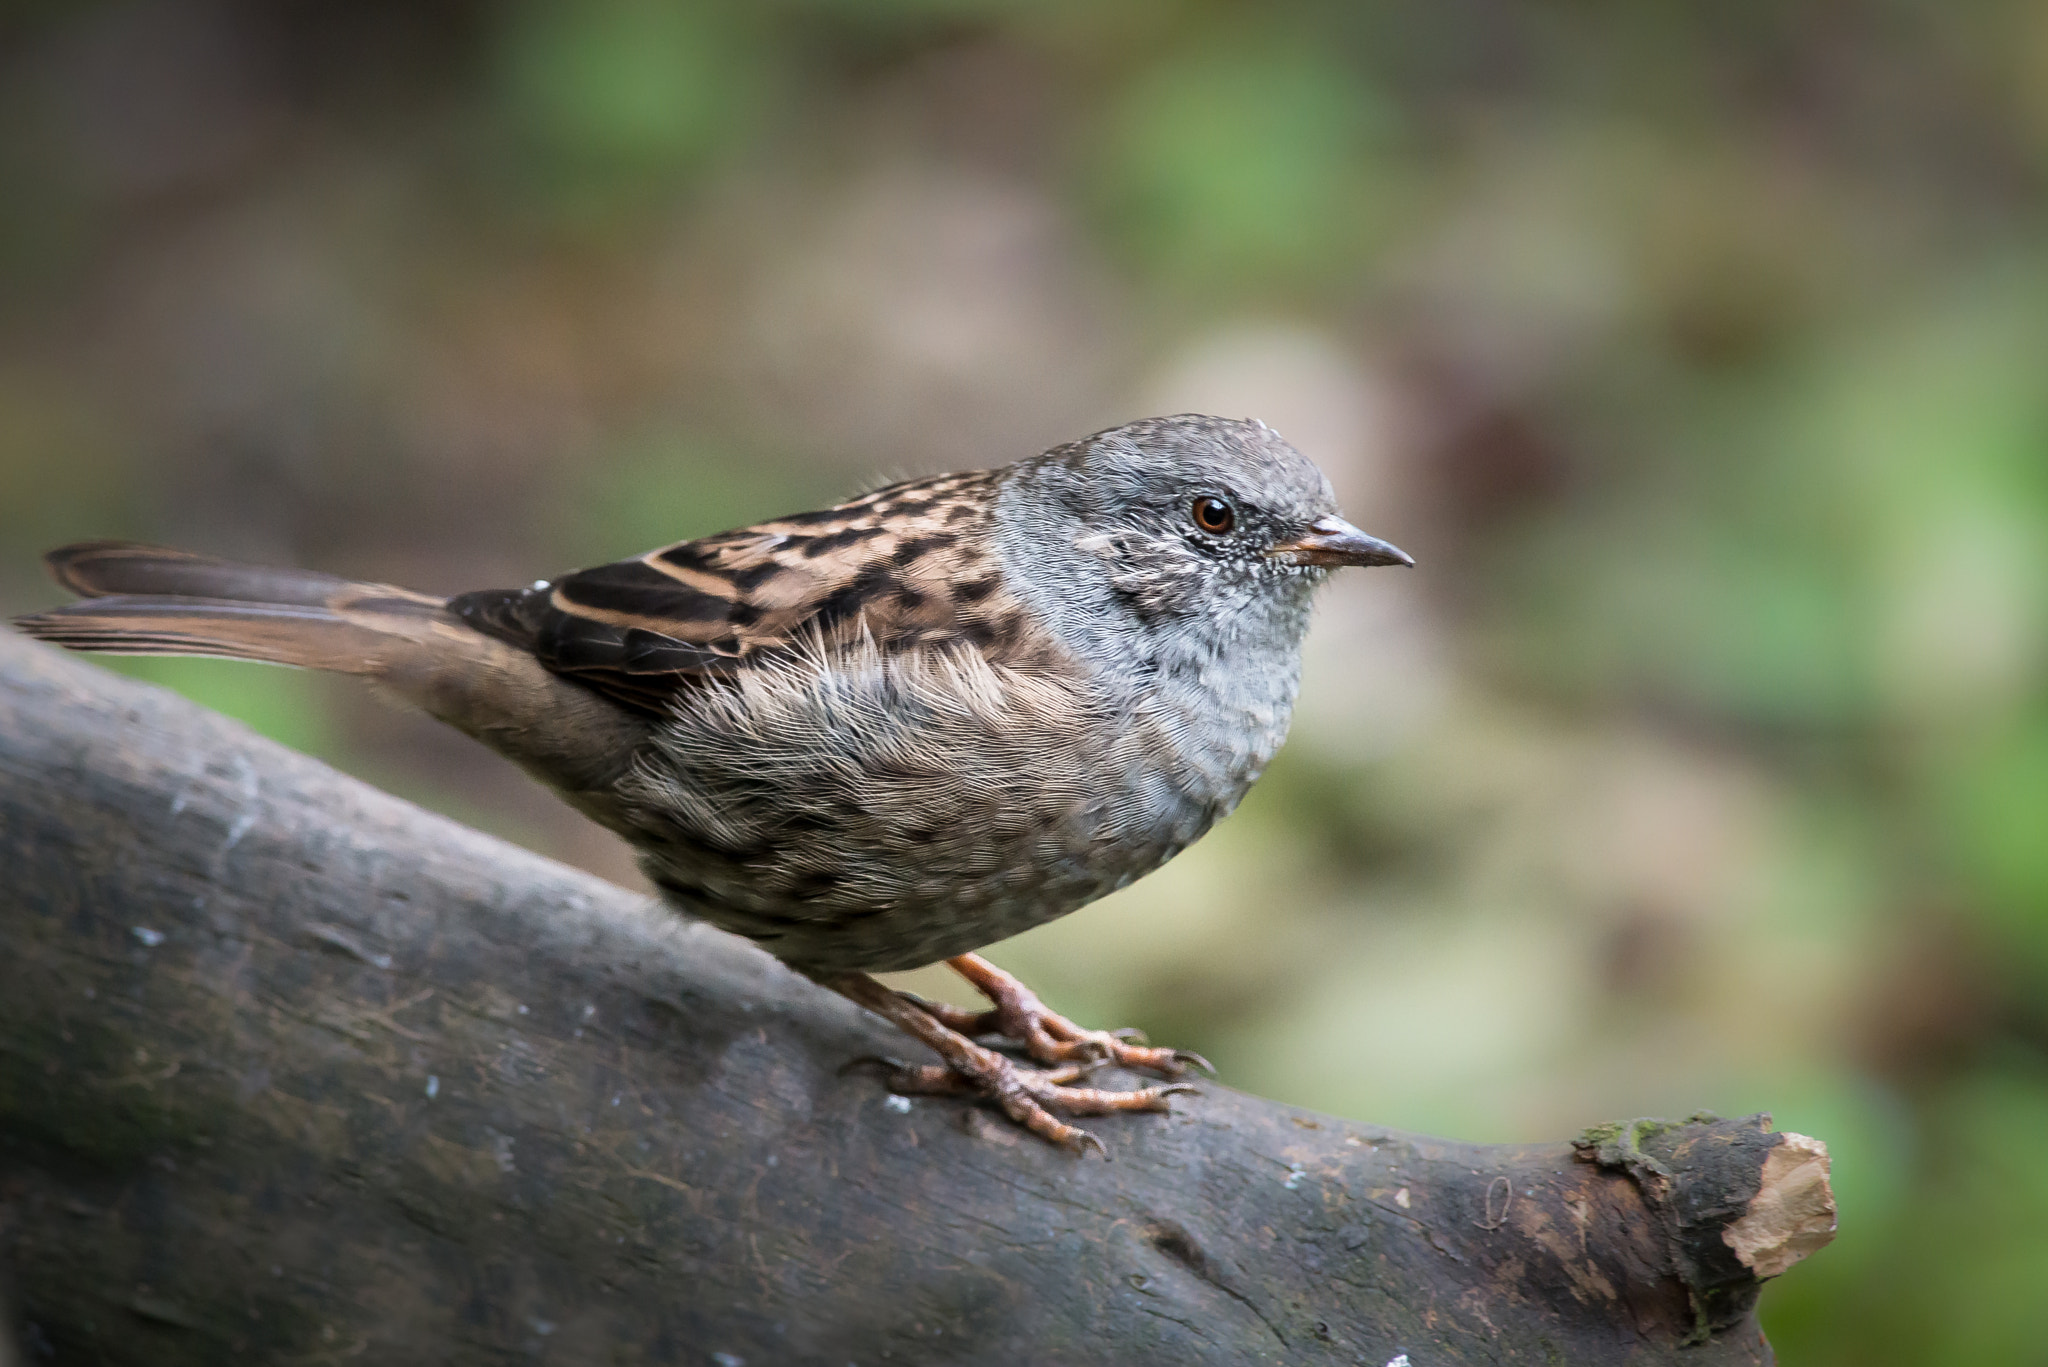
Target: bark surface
x: 291, y: 1070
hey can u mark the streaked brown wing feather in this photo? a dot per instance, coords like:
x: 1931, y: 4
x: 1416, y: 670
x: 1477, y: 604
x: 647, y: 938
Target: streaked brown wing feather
x: 906, y: 563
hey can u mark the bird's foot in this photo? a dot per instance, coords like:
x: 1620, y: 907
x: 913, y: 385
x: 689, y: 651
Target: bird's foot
x: 1027, y: 1095
x: 1047, y: 1036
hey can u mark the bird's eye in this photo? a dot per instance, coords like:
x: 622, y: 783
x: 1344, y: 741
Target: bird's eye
x: 1213, y: 515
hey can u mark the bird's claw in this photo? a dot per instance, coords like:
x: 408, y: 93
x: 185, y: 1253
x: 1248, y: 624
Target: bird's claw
x: 1049, y: 1037
x: 1029, y: 1095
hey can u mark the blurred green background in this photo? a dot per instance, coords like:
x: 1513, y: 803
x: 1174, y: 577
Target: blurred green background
x: 1699, y: 354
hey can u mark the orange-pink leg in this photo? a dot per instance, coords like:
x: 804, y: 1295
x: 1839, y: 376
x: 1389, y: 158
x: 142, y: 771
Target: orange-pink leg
x: 1023, y: 1094
x: 1048, y: 1036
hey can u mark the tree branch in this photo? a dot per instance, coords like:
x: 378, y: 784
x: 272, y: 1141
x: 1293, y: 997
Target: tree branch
x: 291, y: 1070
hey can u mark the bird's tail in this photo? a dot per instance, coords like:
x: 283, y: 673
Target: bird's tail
x: 149, y: 600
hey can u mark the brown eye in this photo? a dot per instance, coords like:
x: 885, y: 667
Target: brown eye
x: 1214, y: 516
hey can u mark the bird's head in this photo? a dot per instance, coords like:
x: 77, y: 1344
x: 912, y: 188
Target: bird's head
x: 1193, y: 516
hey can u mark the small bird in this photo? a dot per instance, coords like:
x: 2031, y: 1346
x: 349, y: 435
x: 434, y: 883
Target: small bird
x: 872, y: 737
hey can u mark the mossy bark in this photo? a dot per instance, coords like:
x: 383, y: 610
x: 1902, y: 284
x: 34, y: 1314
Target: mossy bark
x: 293, y: 1071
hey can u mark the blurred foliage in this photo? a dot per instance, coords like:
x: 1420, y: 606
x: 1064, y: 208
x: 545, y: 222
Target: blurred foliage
x: 618, y: 99
x: 1245, y: 159
x: 1696, y: 352
x: 284, y: 704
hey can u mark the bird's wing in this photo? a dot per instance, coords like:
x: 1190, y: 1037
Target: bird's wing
x: 906, y: 564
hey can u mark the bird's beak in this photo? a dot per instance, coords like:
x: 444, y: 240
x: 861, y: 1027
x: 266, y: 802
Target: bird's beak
x: 1333, y: 541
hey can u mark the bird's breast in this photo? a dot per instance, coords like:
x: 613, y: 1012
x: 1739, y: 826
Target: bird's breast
x: 876, y: 811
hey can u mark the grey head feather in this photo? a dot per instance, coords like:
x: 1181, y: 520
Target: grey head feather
x: 1100, y: 538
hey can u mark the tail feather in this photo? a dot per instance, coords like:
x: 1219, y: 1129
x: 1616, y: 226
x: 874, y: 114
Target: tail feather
x: 152, y: 600
x: 309, y: 637
x: 98, y: 569
x: 149, y: 600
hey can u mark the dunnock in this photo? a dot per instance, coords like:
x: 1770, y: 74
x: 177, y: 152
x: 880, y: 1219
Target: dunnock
x: 871, y: 737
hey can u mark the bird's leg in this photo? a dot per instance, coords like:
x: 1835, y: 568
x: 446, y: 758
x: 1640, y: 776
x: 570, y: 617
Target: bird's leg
x: 1048, y: 1036
x: 1023, y: 1094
